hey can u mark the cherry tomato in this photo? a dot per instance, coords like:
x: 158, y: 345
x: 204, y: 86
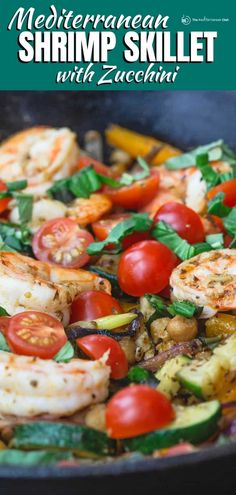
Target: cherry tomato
x: 62, y: 242
x: 228, y: 188
x: 136, y: 410
x: 100, y: 168
x: 145, y: 267
x: 185, y: 221
x: 102, y: 228
x: 4, y: 202
x: 95, y: 346
x: 33, y: 333
x: 137, y: 194
x: 4, y: 324
x: 93, y: 304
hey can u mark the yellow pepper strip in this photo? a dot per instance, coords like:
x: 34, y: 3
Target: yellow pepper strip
x: 221, y: 324
x: 227, y: 392
x: 139, y: 145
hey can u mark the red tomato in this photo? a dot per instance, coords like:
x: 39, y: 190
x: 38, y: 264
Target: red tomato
x: 4, y: 202
x: 62, y: 242
x: 33, y: 333
x: 100, y: 168
x: 102, y: 228
x: 95, y: 346
x: 145, y: 267
x: 185, y: 221
x: 93, y: 304
x: 4, y: 324
x: 136, y: 410
x: 228, y: 188
x: 137, y: 194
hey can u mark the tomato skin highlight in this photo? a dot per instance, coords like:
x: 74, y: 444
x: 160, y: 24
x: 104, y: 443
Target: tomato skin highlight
x: 93, y: 304
x: 145, y: 268
x: 228, y: 188
x: 100, y: 168
x: 60, y: 241
x: 102, y: 228
x: 137, y: 194
x: 46, y: 331
x: 95, y: 346
x: 4, y: 202
x: 136, y: 410
x: 184, y: 220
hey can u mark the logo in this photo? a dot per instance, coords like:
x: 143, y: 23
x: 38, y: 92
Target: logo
x: 185, y: 19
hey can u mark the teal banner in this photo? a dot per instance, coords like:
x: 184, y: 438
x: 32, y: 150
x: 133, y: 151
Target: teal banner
x: 88, y: 45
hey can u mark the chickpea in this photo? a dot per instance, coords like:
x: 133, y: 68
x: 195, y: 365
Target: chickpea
x: 182, y: 329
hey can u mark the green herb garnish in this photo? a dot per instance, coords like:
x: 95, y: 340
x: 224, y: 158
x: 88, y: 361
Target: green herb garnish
x: 138, y: 222
x: 3, y: 343
x: 65, y: 354
x: 211, y: 177
x: 214, y: 150
x: 182, y: 308
x: 15, y: 238
x: 136, y: 374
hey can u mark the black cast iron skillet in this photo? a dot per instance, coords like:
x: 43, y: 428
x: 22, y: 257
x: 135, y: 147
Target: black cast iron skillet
x: 185, y: 119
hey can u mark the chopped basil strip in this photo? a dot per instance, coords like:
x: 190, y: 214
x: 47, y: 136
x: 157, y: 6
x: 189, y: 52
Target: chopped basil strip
x: 211, y: 177
x: 168, y: 236
x: 3, y: 343
x: 15, y: 238
x: 65, y: 354
x: 24, y: 204
x: 17, y: 185
x: 3, y: 312
x: 136, y: 374
x: 216, y: 241
x: 138, y: 222
x: 230, y: 222
x: 182, y: 308
x: 217, y: 207
x: 214, y: 150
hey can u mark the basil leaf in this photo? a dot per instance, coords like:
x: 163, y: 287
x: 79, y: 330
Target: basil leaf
x: 3, y: 343
x: 230, y: 222
x: 183, y: 308
x: 168, y: 236
x: 136, y: 374
x: 15, y: 238
x: 65, y: 354
x: 214, y: 150
x: 158, y: 304
x: 217, y: 207
x: 138, y: 222
x: 24, y: 204
x: 3, y: 312
x: 17, y: 185
x: 211, y: 177
x: 84, y: 183
x: 216, y: 241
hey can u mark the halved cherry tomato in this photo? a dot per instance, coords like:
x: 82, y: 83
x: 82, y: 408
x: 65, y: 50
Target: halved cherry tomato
x: 102, y: 228
x: 4, y: 202
x: 229, y: 190
x: 185, y: 221
x: 93, y: 304
x: 4, y: 324
x: 33, y: 333
x: 100, y: 168
x: 62, y: 242
x: 137, y: 194
x: 137, y: 410
x: 95, y: 346
x: 145, y: 267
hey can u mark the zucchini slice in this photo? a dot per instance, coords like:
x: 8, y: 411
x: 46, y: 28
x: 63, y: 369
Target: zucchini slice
x: 204, y: 378
x: 193, y: 424
x: 169, y: 384
x: 80, y: 440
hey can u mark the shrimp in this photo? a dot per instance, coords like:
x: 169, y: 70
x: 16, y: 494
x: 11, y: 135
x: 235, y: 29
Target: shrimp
x: 85, y: 211
x: 43, y: 209
x: 27, y: 284
x: 30, y: 386
x: 207, y: 280
x: 39, y: 155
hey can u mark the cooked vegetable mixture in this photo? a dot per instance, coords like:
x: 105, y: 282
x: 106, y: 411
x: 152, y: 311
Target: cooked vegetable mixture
x: 117, y: 297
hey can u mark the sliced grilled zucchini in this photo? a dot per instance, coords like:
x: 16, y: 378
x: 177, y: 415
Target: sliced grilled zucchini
x: 204, y: 378
x: 169, y: 384
x: 193, y: 424
x: 54, y: 437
